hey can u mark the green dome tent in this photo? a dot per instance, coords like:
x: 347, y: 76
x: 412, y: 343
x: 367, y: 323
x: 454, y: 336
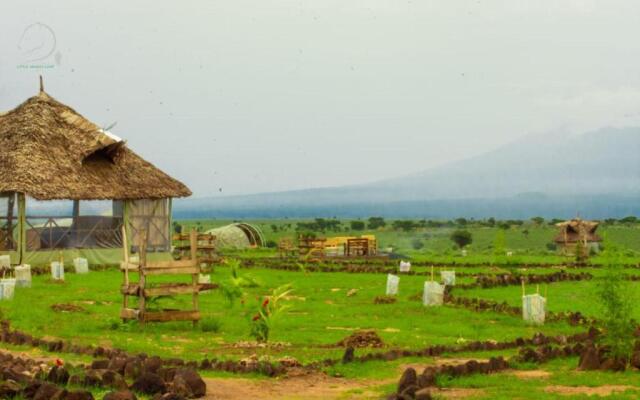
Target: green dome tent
x: 237, y: 236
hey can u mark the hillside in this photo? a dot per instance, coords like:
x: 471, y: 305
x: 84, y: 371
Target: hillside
x: 596, y: 173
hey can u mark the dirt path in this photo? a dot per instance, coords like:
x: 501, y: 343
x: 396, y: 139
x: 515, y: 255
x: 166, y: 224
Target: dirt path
x: 313, y: 386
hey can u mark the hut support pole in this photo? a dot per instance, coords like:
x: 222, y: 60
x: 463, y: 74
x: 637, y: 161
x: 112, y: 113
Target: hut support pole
x: 142, y: 280
x: 194, y: 278
x: 22, y: 226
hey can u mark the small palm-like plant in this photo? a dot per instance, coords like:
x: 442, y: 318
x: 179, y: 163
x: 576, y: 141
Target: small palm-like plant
x: 271, y: 307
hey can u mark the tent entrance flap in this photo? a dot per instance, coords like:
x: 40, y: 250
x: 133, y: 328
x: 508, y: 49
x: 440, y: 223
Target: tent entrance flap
x: 153, y: 217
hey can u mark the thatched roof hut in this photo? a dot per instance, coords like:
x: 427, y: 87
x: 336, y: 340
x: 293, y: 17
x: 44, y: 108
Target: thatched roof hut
x: 51, y: 152
x: 574, y: 230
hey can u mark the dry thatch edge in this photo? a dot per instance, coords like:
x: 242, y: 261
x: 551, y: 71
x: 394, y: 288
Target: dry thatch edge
x: 45, y: 145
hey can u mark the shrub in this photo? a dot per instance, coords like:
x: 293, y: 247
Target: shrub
x: 417, y: 244
x: 616, y: 299
x: 210, y: 325
x: 376, y: 222
x: 552, y: 246
x: 357, y: 225
x: 461, y: 238
x: 271, y: 244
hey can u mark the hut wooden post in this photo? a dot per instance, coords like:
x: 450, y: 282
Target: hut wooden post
x: 125, y: 291
x: 142, y: 280
x: 195, y: 276
x: 22, y: 226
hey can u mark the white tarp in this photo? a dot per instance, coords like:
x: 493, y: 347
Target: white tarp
x: 448, y: 278
x: 433, y: 294
x: 81, y: 265
x: 57, y: 270
x: 534, y: 308
x: 392, y: 284
x: 23, y: 275
x: 405, y: 266
x: 7, y: 288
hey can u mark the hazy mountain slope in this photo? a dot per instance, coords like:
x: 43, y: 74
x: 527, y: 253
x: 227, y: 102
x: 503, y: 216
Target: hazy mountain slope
x: 554, y: 173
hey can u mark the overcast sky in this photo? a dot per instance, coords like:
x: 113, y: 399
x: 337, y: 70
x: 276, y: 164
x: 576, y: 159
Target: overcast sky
x: 254, y: 96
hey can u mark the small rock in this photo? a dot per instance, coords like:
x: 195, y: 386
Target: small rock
x: 149, y: 383
x: 120, y: 395
x: 409, y: 377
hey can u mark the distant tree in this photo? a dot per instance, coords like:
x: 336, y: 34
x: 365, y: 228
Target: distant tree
x: 525, y: 232
x: 357, y: 225
x: 491, y: 222
x: 555, y: 221
x: 376, y: 222
x: 610, y: 221
x: 461, y: 238
x: 537, y: 220
x: 271, y: 244
x: 504, y: 225
x: 405, y: 225
x: 177, y: 228
x: 461, y: 222
x: 274, y: 227
x: 629, y: 220
x: 417, y: 244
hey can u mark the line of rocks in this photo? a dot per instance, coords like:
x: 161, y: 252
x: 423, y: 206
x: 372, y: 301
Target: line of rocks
x: 34, y: 380
x: 15, y: 337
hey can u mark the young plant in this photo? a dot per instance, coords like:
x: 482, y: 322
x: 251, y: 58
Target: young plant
x: 616, y: 299
x: 271, y: 307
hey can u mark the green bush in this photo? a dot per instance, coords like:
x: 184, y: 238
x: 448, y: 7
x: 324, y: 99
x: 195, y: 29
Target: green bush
x: 417, y: 244
x: 211, y: 325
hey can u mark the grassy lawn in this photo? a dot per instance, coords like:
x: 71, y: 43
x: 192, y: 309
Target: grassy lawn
x: 321, y: 314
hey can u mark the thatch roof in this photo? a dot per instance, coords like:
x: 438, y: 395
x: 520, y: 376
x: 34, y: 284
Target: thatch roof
x: 573, y: 230
x: 49, y: 151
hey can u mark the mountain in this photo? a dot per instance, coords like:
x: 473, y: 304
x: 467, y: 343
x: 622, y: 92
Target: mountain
x: 596, y: 173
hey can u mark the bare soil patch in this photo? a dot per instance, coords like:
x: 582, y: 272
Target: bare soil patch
x: 532, y: 374
x: 65, y: 307
x: 605, y: 390
x: 309, y: 386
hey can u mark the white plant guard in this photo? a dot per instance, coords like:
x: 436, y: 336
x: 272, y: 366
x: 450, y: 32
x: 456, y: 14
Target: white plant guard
x: 534, y: 308
x: 7, y: 286
x: 81, y: 265
x: 433, y: 294
x: 392, y: 284
x: 204, y: 279
x: 57, y: 271
x: 23, y: 275
x: 5, y: 261
x: 448, y: 278
x: 405, y: 266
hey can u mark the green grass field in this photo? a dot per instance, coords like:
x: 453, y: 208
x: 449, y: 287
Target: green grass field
x: 320, y: 314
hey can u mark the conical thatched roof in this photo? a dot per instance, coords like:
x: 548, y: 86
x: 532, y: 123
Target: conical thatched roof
x: 49, y: 151
x: 577, y: 229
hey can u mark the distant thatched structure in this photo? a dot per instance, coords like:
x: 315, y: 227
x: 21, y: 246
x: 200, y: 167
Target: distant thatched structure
x: 51, y: 152
x: 576, y: 231
x: 237, y: 236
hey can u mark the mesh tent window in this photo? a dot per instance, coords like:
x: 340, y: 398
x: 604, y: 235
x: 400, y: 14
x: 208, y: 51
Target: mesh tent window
x: 57, y: 225
x: 152, y: 216
x: 9, y: 222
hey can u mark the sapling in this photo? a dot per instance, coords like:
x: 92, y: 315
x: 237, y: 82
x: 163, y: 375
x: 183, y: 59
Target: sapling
x: 268, y: 311
x: 616, y: 300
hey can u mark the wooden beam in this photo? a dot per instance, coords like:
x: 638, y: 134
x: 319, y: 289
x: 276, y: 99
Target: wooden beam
x: 170, y: 264
x: 170, y: 290
x: 170, y: 271
x: 166, y: 316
